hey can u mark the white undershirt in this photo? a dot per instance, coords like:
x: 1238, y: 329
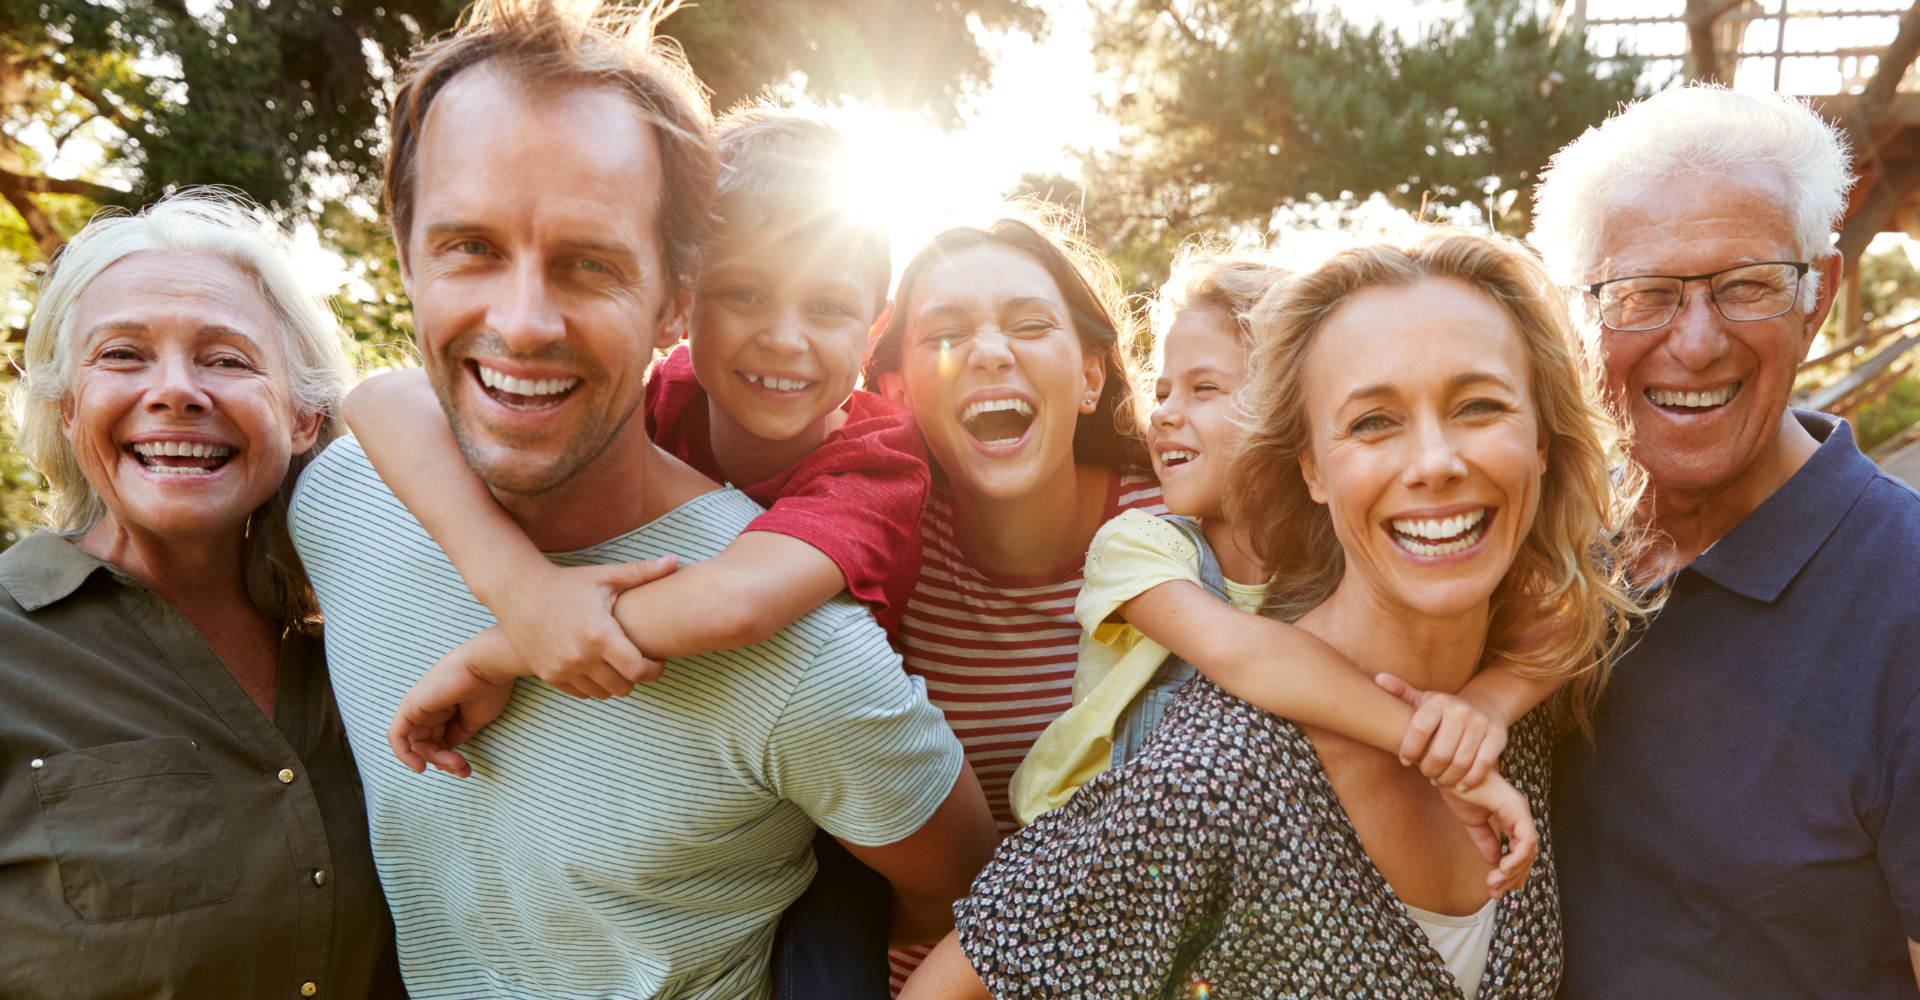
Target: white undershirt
x: 1463, y: 942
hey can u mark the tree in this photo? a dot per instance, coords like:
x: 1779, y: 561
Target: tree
x: 286, y: 100
x: 1232, y: 108
x: 919, y: 56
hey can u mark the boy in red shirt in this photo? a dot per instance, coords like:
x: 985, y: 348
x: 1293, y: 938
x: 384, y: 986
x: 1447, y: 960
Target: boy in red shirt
x: 762, y: 396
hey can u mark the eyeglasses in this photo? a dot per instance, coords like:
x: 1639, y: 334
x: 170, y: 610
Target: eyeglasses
x: 1741, y: 294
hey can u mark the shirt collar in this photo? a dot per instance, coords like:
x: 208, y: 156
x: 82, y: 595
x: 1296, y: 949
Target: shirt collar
x: 43, y: 568
x: 1764, y: 552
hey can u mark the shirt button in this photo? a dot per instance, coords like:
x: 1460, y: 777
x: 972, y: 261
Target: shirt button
x: 320, y: 876
x: 286, y: 778
x: 308, y: 989
x: 38, y: 764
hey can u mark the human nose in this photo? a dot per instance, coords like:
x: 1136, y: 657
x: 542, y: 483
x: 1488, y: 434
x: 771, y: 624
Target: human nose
x: 529, y: 318
x: 784, y: 333
x: 1695, y: 337
x: 1167, y: 414
x: 1436, y: 461
x: 177, y: 387
x: 989, y: 352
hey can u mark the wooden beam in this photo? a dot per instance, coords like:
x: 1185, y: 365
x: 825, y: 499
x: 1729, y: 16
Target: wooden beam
x: 1861, y: 374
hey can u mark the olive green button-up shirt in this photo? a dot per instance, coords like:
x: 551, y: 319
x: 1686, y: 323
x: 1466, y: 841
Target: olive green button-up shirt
x: 159, y: 835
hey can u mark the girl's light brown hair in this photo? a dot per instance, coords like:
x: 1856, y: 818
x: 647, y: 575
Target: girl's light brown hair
x: 1207, y: 276
x: 1567, y: 592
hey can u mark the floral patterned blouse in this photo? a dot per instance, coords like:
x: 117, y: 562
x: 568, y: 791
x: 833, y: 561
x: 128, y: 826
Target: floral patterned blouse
x: 1219, y: 863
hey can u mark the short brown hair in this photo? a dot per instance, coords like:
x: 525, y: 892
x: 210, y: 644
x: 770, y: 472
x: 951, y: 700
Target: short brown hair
x: 1567, y: 591
x: 581, y: 43
x: 1114, y: 434
x: 780, y: 175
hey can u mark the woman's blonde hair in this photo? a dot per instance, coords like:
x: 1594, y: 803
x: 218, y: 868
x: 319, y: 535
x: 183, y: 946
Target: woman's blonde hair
x: 1567, y: 592
x: 228, y: 227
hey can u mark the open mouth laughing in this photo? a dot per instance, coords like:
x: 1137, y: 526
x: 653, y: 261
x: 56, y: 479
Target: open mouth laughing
x: 1677, y: 401
x: 524, y: 394
x: 1440, y: 536
x: 997, y: 421
x: 181, y: 458
x: 1173, y: 458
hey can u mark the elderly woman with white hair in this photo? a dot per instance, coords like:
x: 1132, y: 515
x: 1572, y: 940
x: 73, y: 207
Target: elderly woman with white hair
x: 179, y: 813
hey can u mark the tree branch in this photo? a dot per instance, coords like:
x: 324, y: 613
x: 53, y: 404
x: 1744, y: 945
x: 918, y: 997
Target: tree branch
x: 1167, y: 8
x: 49, y: 185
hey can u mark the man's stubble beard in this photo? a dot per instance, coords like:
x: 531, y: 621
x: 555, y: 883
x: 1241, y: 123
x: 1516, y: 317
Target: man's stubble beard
x: 575, y: 457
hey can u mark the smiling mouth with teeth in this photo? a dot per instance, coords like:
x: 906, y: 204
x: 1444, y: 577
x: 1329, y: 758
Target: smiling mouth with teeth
x: 1440, y: 536
x: 1177, y: 456
x: 997, y: 421
x: 180, y: 458
x: 522, y: 393
x: 1675, y: 400
x: 778, y: 384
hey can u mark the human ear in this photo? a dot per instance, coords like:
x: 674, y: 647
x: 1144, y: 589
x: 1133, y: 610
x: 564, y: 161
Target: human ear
x: 1096, y: 373
x: 676, y: 319
x: 1310, y: 471
x: 1828, y: 270
x: 893, y: 387
x: 306, y: 430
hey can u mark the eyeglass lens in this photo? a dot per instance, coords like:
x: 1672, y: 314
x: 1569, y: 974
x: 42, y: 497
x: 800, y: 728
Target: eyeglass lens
x: 1758, y: 291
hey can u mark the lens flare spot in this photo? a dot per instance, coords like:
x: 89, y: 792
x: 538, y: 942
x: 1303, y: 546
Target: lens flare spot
x: 1203, y: 990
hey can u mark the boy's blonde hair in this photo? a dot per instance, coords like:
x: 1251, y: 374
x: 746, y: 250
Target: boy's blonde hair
x: 782, y: 175
x: 1567, y: 591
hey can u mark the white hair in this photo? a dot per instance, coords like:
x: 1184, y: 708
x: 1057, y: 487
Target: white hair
x: 227, y: 226
x: 1695, y: 130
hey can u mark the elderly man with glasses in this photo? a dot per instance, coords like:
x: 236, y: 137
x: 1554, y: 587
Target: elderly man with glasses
x: 1745, y: 820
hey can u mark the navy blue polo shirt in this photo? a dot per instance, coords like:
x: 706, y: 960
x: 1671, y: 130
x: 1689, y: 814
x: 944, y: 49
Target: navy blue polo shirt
x: 1746, y: 823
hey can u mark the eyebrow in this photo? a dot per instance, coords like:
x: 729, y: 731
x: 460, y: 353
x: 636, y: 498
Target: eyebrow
x: 135, y: 326
x: 456, y: 227
x: 1025, y: 301
x: 1383, y: 390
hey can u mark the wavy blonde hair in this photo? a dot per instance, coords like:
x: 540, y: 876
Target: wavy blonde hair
x: 1566, y: 594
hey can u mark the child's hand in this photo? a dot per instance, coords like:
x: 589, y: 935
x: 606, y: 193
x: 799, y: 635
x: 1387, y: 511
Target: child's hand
x: 1491, y: 810
x: 1456, y: 740
x: 468, y: 688
x: 561, y: 623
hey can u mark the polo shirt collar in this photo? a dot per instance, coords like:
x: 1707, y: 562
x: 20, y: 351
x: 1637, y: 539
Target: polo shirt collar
x: 43, y: 568
x: 1764, y: 552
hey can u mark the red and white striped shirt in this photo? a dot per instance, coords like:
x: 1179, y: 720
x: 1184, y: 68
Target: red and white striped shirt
x: 998, y: 652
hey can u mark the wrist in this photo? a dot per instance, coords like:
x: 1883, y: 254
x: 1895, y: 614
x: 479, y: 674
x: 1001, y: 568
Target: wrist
x: 501, y: 583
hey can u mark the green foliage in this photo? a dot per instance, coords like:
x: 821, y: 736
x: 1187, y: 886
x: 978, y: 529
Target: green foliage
x: 18, y: 484
x: 1231, y: 109
x: 919, y: 56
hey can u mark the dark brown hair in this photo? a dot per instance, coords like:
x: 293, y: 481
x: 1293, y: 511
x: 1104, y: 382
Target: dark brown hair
x: 1114, y: 434
x: 574, y: 43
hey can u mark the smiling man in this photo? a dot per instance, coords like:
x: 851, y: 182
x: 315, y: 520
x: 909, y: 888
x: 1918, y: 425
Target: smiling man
x: 550, y: 178
x: 1746, y: 821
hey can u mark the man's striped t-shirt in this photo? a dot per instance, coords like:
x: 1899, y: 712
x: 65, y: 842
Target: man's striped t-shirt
x: 998, y: 652
x: 636, y: 847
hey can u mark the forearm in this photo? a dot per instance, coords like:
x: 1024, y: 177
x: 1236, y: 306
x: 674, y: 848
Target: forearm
x: 399, y: 423
x: 1507, y: 696
x: 1270, y: 664
x: 757, y: 586
x: 1913, y: 953
x: 946, y: 975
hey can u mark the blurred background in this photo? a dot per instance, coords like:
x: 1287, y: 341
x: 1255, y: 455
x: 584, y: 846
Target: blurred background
x: 1273, y: 123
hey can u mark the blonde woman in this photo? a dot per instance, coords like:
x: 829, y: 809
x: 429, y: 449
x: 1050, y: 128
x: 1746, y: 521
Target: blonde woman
x: 1427, y: 469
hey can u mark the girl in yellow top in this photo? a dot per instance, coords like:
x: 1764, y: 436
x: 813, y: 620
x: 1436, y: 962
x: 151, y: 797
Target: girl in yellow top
x: 1150, y: 606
